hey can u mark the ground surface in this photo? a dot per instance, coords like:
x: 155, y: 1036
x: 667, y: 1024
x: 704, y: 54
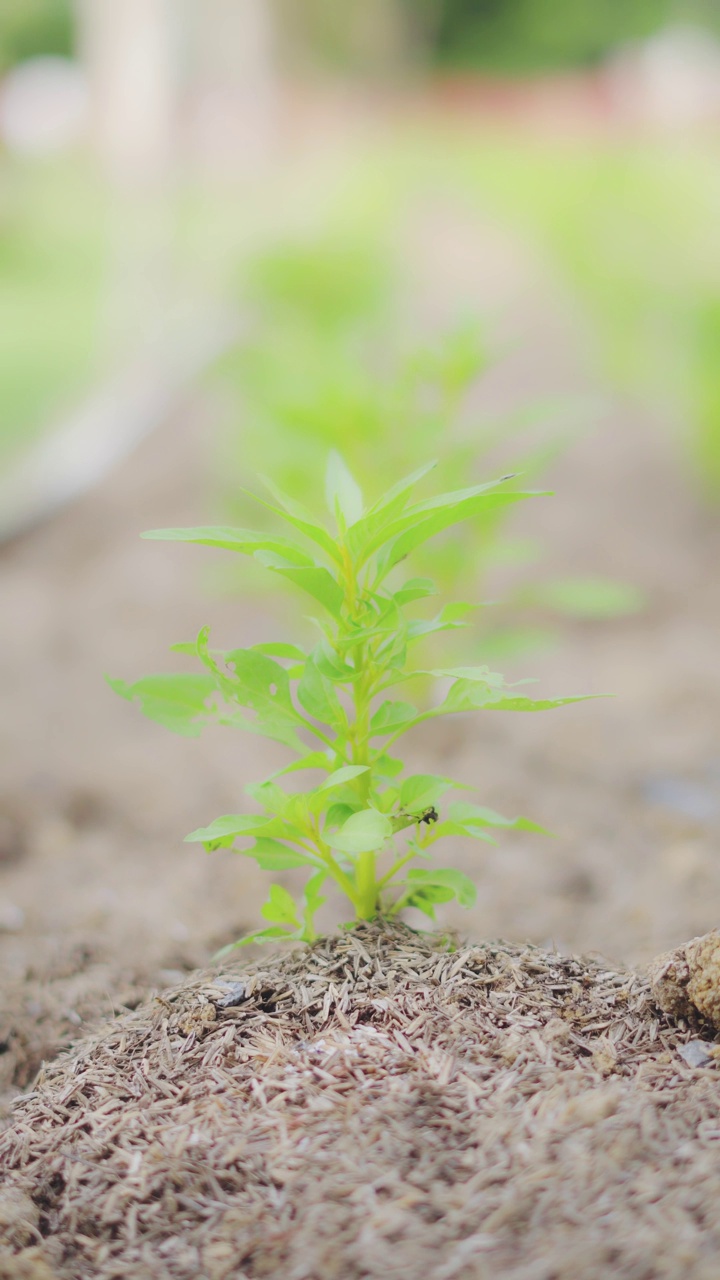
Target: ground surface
x: 386, y: 1105
x: 100, y: 900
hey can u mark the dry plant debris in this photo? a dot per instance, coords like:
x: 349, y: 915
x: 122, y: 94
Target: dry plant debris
x: 384, y: 1104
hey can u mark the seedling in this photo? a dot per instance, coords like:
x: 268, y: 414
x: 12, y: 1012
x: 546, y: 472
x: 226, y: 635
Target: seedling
x: 366, y: 825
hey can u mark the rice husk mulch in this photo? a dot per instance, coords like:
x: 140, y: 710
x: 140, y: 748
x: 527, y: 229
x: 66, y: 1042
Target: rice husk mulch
x: 384, y: 1104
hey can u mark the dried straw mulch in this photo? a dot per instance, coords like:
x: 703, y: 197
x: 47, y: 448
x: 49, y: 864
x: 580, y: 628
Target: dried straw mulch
x: 383, y: 1105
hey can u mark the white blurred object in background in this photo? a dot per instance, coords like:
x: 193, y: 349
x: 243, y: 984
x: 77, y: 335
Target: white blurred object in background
x: 235, y: 96
x: 44, y: 106
x: 129, y: 49
x: 671, y: 80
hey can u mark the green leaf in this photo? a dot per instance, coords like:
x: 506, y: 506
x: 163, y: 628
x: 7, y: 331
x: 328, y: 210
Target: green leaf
x: 415, y: 589
x: 386, y: 766
x: 364, y: 832
x: 332, y: 667
x: 224, y: 830
x: 391, y: 716
x: 280, y: 907
x: 422, y: 790
x: 262, y: 685
x: 301, y: 519
x: 338, y: 814
x: 460, y: 885
x: 425, y: 519
x: 313, y: 760
x: 317, y: 695
x: 246, y: 541
x: 343, y: 775
x: 281, y: 650
x: 342, y: 491
x: 450, y: 618
x: 384, y: 511
x: 259, y: 935
x: 271, y: 855
x: 451, y: 828
x: 312, y: 901
x: 177, y: 701
x: 317, y: 582
x: 476, y: 815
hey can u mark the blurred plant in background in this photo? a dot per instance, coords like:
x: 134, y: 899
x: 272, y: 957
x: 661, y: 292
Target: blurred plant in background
x: 634, y: 228
x: 32, y: 28
x: 332, y: 365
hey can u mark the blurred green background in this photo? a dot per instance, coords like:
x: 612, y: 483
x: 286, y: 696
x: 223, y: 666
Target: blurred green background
x: 620, y: 192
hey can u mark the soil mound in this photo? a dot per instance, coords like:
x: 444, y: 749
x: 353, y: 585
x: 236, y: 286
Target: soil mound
x: 384, y: 1104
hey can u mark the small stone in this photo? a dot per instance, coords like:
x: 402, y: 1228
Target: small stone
x: 669, y: 975
x: 687, y: 981
x: 231, y: 994
x: 703, y: 955
x: 696, y: 1054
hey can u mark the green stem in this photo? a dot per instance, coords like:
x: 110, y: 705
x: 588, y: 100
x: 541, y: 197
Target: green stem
x: 367, y: 886
x: 397, y: 866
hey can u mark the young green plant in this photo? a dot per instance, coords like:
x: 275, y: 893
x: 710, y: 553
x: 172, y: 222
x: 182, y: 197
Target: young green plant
x: 366, y: 826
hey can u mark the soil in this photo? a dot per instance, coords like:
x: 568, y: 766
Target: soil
x: 386, y: 1104
x: 100, y: 902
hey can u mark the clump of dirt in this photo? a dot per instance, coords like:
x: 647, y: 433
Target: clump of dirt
x: 686, y: 981
x: 383, y: 1104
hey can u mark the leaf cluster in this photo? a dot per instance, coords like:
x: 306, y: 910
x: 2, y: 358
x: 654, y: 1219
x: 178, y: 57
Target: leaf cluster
x: 339, y: 707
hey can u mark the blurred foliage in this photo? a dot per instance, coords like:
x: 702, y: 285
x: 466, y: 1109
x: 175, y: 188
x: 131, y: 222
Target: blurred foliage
x: 325, y: 369
x: 704, y: 390
x: 29, y: 28
x: 505, y: 36
x: 540, y: 35
x: 634, y: 227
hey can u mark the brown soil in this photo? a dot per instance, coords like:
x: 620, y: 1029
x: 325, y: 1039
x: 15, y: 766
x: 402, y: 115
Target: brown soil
x: 385, y: 1104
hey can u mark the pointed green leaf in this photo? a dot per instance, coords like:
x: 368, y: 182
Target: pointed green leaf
x: 177, y: 701
x: 340, y: 776
x: 259, y: 935
x: 422, y: 790
x: 281, y: 650
x: 317, y: 695
x: 460, y: 885
x: 342, y: 490
x: 301, y: 519
x: 246, y: 541
x: 436, y: 513
x: 317, y: 582
x: 271, y: 855
x: 384, y: 511
x: 263, y: 685
x: 386, y: 766
x: 426, y: 527
x: 280, y: 906
x: 312, y: 901
x: 415, y: 589
x: 364, y: 832
x: 338, y: 814
x: 222, y: 831
x: 391, y: 716
x: 471, y: 815
x: 312, y: 760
